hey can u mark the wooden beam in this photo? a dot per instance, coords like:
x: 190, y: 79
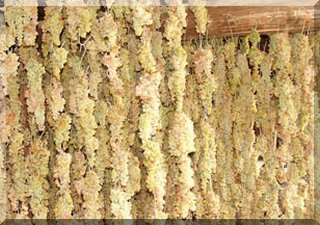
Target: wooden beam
x: 240, y: 20
x: 159, y: 3
x: 260, y: 2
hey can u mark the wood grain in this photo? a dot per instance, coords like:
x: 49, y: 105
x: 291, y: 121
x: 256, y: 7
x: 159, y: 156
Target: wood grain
x: 239, y: 21
x: 260, y: 2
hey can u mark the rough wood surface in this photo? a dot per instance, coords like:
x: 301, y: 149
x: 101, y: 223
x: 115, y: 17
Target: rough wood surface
x: 261, y: 3
x: 237, y: 21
